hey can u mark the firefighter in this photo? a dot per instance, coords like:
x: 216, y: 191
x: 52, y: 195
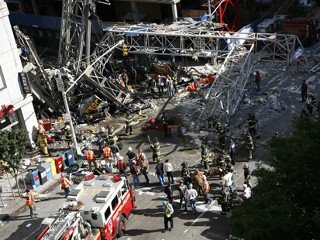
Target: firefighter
x: 89, y: 154
x: 65, y: 185
x: 155, y: 147
x: 249, y: 145
x: 221, y: 133
x: 107, y: 154
x: 67, y: 135
x: 43, y: 144
x: 111, y: 134
x: 185, y: 173
x: 204, y: 156
x: 252, y: 123
x: 129, y: 124
x: 30, y: 202
x: 311, y: 102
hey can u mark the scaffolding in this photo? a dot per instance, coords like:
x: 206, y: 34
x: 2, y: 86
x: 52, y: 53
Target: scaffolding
x: 232, y: 53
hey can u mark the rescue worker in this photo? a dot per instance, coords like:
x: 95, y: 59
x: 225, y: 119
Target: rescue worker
x: 30, y: 202
x: 131, y: 155
x: 182, y: 192
x: 249, y: 145
x: 115, y: 150
x: 43, y: 144
x: 111, y: 134
x: 155, y: 147
x: 144, y: 164
x: 140, y: 157
x: 107, y: 155
x: 89, y: 154
x: 204, y: 156
x: 65, y: 185
x: 168, y: 212
x: 311, y: 102
x: 160, y: 172
x: 129, y: 124
x: 221, y: 133
x: 122, y: 167
x: 205, y: 189
x: 252, y: 124
x: 185, y: 173
x: 135, y: 174
x: 222, y: 165
x: 67, y: 135
x: 169, y: 192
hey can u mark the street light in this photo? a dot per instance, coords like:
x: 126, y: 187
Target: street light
x: 61, y: 88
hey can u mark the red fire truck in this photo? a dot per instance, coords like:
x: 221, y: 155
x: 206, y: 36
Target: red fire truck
x: 97, y: 209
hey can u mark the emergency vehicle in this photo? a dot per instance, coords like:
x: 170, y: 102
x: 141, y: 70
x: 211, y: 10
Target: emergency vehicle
x: 96, y: 209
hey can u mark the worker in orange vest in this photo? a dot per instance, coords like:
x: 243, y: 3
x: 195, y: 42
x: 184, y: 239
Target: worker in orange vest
x: 65, y: 185
x: 30, y: 202
x: 107, y: 154
x: 90, y: 158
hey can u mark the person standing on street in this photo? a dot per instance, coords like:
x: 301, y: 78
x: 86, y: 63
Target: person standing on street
x: 135, y: 174
x: 90, y: 158
x: 227, y: 180
x: 168, y: 170
x: 122, y: 167
x: 65, y: 185
x: 144, y: 164
x: 159, y: 172
x: 304, y: 91
x: 182, y: 194
x: 232, y: 152
x: 191, y: 196
x: 140, y: 157
x: 169, y: 192
x: 155, y: 147
x: 205, y: 190
x: 168, y: 212
x: 204, y: 156
x: 246, y: 175
x: 131, y: 155
x: 30, y: 202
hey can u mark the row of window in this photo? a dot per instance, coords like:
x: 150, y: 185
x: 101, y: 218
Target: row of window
x: 2, y: 82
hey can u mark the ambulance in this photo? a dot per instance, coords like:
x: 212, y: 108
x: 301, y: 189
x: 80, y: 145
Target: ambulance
x: 97, y: 209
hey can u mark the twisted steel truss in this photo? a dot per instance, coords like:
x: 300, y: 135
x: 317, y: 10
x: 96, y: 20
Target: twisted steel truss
x: 233, y: 54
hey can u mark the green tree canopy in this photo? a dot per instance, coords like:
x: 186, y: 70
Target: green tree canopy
x: 13, y: 145
x: 286, y: 199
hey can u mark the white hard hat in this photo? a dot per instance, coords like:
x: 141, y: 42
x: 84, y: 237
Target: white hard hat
x: 245, y: 186
x: 130, y: 149
x: 204, y: 177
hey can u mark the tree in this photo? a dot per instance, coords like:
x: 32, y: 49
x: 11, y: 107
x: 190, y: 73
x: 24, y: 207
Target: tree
x: 285, y: 201
x: 13, y: 145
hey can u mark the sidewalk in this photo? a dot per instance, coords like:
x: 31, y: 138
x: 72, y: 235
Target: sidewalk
x: 14, y: 204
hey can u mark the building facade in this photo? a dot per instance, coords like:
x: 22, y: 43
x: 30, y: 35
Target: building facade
x: 16, y: 108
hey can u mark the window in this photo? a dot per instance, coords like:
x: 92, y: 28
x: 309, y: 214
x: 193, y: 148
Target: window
x: 2, y: 82
x: 114, y: 202
x: 107, y: 213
